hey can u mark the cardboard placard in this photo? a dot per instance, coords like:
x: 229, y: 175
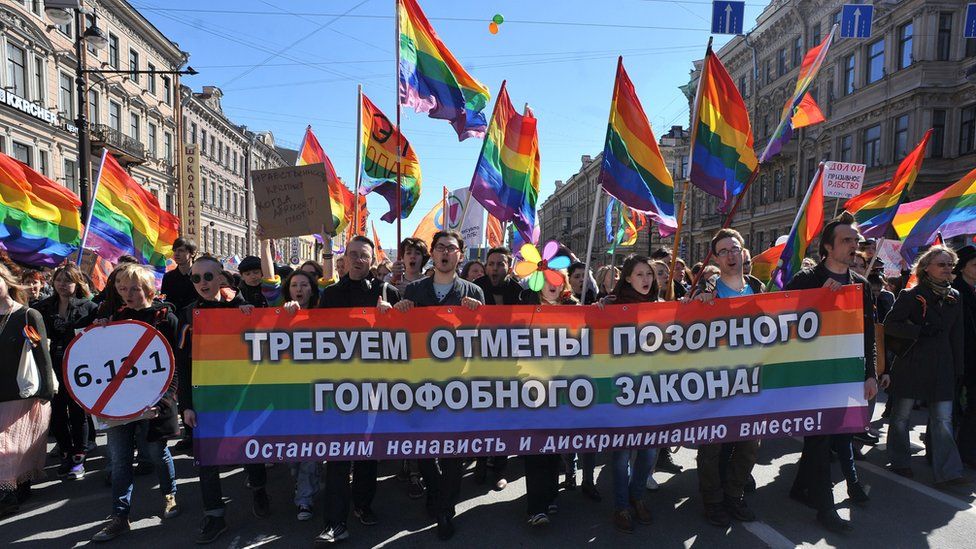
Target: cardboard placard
x: 292, y: 201
x: 842, y: 179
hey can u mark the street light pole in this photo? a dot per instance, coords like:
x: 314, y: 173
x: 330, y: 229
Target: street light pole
x: 84, y: 141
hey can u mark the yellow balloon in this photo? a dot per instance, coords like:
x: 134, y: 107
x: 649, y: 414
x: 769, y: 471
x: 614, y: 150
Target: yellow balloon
x: 493, y: 27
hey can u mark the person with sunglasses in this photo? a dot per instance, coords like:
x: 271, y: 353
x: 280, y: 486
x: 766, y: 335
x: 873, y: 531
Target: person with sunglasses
x: 445, y: 287
x: 205, y: 276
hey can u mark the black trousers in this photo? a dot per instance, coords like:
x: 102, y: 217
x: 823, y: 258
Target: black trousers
x: 69, y: 424
x: 813, y: 475
x: 338, y: 493
x: 443, y: 479
x: 210, y: 489
x: 541, y: 481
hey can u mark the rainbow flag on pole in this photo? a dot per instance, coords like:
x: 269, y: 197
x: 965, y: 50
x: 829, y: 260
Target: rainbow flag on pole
x: 764, y: 263
x: 341, y: 199
x: 807, y: 225
x: 722, y: 155
x: 875, y: 209
x: 633, y: 170
x: 432, y: 80
x: 127, y: 219
x: 506, y: 178
x: 40, y: 220
x: 950, y: 212
x: 801, y: 102
x: 380, y: 139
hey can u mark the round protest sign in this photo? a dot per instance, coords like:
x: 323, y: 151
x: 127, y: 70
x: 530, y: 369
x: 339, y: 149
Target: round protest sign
x: 119, y: 370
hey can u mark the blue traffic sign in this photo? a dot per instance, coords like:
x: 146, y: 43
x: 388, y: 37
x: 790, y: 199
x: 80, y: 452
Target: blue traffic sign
x: 855, y: 21
x: 727, y: 17
x: 970, y: 27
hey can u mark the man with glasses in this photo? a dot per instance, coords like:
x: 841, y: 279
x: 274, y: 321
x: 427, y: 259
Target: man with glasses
x: 723, y: 493
x: 746, y: 261
x: 176, y: 284
x: 358, y: 288
x: 446, y: 287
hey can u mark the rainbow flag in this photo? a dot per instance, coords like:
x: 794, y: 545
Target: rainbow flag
x: 380, y: 139
x: 722, y: 155
x: 807, y: 113
x: 952, y: 213
x: 40, y: 220
x: 801, y: 101
x: 127, y: 219
x: 764, y: 263
x: 806, y: 227
x: 506, y: 178
x: 875, y: 209
x: 633, y: 170
x: 622, y: 224
x: 432, y: 80
x: 341, y: 199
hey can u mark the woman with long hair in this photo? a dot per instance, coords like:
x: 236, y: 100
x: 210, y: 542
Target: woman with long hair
x: 473, y: 270
x: 67, y: 309
x: 23, y: 420
x: 606, y: 278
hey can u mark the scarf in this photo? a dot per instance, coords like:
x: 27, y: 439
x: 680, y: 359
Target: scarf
x: 940, y: 289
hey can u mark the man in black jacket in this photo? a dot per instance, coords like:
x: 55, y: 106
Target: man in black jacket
x: 446, y: 287
x: 965, y: 284
x: 838, y: 247
x: 176, y: 285
x: 356, y: 289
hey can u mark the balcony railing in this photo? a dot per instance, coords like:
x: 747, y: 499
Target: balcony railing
x: 127, y: 149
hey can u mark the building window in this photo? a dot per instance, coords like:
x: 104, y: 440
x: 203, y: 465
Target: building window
x: 743, y: 86
x: 766, y: 125
x: 872, y: 146
x: 71, y: 175
x: 937, y: 146
x: 151, y: 139
x: 17, y: 70
x: 905, y: 56
x: 168, y: 147
x: 781, y: 62
x: 901, y: 137
x: 967, y: 127
x: 943, y: 45
x: 65, y: 104
x: 113, y: 51
x: 203, y: 141
x: 778, y: 185
x: 24, y: 153
x: 849, y: 74
x: 769, y: 72
x: 134, y: 126
x: 169, y: 202
x: 875, y: 61
x: 151, y: 78
x: 797, y: 51
x: 220, y: 153
x: 970, y: 48
x: 846, y: 149
x: 814, y: 35
x: 193, y: 132
x: 213, y: 145
x: 811, y: 169
x: 764, y: 190
x: 115, y: 116
x: 93, y: 113
x: 66, y: 29
x: 43, y: 166
x: 134, y: 65
x: 39, y: 78
x: 791, y: 182
x: 167, y: 91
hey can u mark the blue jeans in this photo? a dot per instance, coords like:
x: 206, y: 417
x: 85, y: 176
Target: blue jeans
x: 946, y: 464
x: 308, y: 476
x: 121, y: 447
x: 628, y: 482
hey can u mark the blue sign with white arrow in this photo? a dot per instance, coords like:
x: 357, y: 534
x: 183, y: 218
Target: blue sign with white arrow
x: 855, y: 21
x: 727, y: 17
x: 970, y: 27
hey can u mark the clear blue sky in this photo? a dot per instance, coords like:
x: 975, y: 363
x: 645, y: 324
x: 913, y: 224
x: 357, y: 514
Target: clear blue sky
x: 283, y: 64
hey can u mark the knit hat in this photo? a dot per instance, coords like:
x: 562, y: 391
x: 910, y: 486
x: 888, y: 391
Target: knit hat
x: 966, y: 254
x: 249, y: 263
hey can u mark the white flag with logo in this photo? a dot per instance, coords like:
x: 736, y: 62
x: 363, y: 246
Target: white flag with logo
x: 472, y: 227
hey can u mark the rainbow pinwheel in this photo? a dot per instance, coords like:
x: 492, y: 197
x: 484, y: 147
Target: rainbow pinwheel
x: 539, y: 269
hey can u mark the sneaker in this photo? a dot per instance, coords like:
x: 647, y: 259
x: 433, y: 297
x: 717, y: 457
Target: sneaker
x: 666, y: 464
x: 737, y: 509
x: 867, y: 438
x: 77, y: 470
x: 500, y: 484
x: 304, y: 513
x: 333, y: 534
x: 553, y: 509
x: 212, y: 528
x: 958, y: 481
x: 415, y: 490
x: 445, y: 528
x: 803, y: 497
x: 185, y: 445
x: 641, y: 511
x: 716, y: 515
x: 832, y: 521
x: 65, y: 466
x: 652, y: 484
x: 403, y: 475
x: 366, y: 516
x: 539, y: 519
x: 623, y: 522
x: 115, y: 527
x: 857, y: 494
x: 902, y: 471
x: 480, y: 475
x: 171, y: 509
x: 590, y: 492
x: 750, y: 486
x: 261, y: 505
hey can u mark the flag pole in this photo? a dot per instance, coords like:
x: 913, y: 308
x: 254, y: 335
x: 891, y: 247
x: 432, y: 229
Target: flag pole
x: 799, y: 214
x: 444, y: 208
x: 589, y: 246
x: 396, y: 88
x: 484, y: 142
x: 359, y: 152
x: 677, y: 241
x: 91, y: 207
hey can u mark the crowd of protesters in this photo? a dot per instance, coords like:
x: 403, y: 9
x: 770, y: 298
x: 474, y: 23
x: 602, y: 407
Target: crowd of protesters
x: 929, y: 359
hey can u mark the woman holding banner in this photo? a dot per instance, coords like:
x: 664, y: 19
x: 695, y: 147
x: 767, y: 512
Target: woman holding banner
x: 136, y: 285
x: 23, y: 420
x: 637, y: 284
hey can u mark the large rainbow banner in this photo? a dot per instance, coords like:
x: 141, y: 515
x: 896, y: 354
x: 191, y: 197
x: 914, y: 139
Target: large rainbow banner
x: 275, y: 386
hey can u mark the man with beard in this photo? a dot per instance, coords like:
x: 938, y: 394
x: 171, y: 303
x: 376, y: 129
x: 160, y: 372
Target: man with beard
x: 445, y: 287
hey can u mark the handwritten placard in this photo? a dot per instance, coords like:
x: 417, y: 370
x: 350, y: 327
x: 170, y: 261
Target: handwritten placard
x: 292, y: 201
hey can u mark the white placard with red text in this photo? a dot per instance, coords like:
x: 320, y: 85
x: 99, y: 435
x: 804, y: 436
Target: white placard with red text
x: 842, y: 179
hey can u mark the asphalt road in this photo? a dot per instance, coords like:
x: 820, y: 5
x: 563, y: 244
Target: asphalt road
x: 902, y: 513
